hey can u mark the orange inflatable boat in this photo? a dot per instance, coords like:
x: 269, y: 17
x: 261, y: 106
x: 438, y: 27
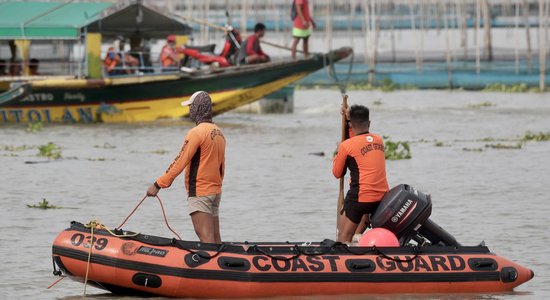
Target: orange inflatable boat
x: 429, y: 260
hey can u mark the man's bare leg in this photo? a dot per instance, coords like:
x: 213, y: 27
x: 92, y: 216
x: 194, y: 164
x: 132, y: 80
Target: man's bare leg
x: 346, y: 230
x: 217, y: 235
x: 204, y: 226
x: 294, y: 46
x: 306, y: 46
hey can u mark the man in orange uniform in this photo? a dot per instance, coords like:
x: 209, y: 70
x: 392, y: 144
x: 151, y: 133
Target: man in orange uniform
x: 169, y: 57
x: 202, y: 156
x: 363, y: 154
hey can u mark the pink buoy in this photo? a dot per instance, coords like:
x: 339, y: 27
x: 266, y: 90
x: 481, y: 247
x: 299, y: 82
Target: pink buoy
x: 379, y: 237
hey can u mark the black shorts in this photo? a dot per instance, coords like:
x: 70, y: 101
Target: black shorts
x: 355, y: 210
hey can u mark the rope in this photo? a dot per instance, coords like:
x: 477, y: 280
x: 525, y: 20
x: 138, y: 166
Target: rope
x: 134, y: 210
x: 334, y: 76
x: 92, y: 225
x: 62, y: 277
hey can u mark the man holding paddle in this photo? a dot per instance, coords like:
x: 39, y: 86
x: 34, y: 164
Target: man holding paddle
x: 363, y: 154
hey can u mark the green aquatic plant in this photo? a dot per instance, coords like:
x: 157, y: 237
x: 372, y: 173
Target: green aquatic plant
x: 377, y: 102
x: 50, y: 150
x: 34, y: 127
x: 396, y: 150
x: 439, y: 144
x: 387, y: 85
x: 472, y: 149
x: 503, y: 146
x: 481, y: 105
x: 105, y: 146
x: 44, y: 204
x: 513, y: 88
x: 16, y: 148
x: 536, y: 137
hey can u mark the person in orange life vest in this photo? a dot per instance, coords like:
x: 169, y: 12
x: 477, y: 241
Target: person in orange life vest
x: 111, y: 61
x: 251, y: 52
x: 363, y: 154
x: 169, y: 57
x: 302, y: 25
x: 202, y: 156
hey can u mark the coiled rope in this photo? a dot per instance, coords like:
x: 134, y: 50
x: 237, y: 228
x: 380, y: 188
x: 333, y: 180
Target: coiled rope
x: 95, y: 224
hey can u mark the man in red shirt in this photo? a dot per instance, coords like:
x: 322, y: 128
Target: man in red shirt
x: 363, y: 154
x: 303, y: 22
x: 251, y: 51
x: 202, y: 156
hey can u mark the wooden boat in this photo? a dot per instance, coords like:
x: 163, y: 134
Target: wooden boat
x: 127, y: 263
x: 151, y: 97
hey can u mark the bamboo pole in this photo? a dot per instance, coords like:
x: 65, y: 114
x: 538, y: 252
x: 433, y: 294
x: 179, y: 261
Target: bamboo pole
x: 487, y: 43
x: 350, y: 22
x: 376, y: 29
x: 413, y: 27
x: 463, y: 28
x: 447, y: 46
x: 542, y: 45
x: 244, y: 11
x: 422, y: 23
x: 366, y: 29
x: 476, y: 40
x: 394, y: 13
x: 516, y: 38
x: 328, y: 27
x: 527, y: 26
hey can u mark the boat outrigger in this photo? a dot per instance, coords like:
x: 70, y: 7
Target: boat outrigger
x: 429, y: 260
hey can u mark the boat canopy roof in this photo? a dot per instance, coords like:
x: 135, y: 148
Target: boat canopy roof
x: 66, y: 20
x: 138, y: 20
x: 47, y: 20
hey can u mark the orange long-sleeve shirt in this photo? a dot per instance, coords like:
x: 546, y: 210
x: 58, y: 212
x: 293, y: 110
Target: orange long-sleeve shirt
x: 364, y: 155
x: 202, y: 156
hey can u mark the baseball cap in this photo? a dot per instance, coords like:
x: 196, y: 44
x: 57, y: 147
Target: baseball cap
x: 191, y: 99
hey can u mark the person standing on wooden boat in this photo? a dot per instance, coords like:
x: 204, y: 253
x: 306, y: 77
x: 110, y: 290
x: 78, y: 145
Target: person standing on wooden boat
x: 302, y: 26
x: 363, y: 154
x: 251, y: 52
x: 202, y: 156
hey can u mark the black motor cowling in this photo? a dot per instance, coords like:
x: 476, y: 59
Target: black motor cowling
x: 405, y: 211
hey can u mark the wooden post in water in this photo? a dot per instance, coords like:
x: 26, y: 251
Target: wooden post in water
x: 543, y: 19
x: 393, y: 14
x: 447, y: 45
x: 413, y: 27
x: 527, y: 34
x: 376, y: 29
x: 487, y: 43
x: 516, y: 38
x: 463, y: 28
x: 476, y: 40
x: 328, y: 26
x: 366, y: 12
x: 244, y: 12
x: 422, y: 23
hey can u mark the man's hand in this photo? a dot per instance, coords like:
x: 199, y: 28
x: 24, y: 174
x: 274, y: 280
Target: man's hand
x: 152, y: 191
x: 313, y: 24
x: 305, y: 23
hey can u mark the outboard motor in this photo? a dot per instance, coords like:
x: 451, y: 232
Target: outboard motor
x: 405, y: 211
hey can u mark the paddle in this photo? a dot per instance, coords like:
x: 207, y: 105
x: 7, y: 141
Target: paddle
x: 341, y: 193
x: 226, y: 30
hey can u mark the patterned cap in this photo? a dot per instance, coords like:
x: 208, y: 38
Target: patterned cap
x: 200, y: 107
